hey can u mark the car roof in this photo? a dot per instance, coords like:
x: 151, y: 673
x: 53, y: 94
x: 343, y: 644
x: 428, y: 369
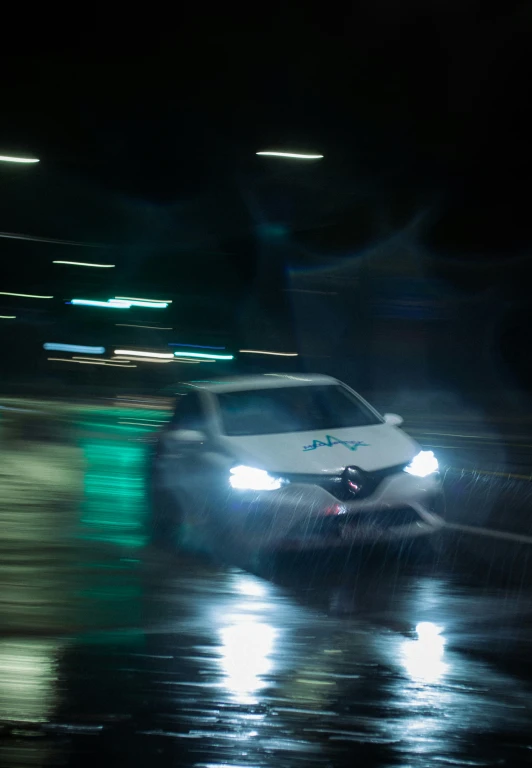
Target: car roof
x: 262, y: 381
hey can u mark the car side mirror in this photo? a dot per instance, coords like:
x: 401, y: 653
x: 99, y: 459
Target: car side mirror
x: 393, y: 419
x: 194, y: 436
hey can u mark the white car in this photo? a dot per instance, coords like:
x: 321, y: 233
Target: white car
x: 278, y: 462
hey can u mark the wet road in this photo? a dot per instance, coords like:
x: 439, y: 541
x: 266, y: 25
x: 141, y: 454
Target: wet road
x: 112, y: 653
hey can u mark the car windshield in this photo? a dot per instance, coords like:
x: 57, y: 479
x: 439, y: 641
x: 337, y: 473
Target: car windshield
x: 292, y: 409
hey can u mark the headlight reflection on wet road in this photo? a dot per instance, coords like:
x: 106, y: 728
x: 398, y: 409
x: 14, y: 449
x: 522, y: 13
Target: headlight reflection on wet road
x: 423, y: 658
x: 246, y: 650
x: 247, y: 641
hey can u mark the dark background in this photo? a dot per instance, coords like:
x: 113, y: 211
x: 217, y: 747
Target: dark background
x: 401, y: 261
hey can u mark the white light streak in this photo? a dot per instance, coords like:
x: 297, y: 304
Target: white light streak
x: 139, y: 303
x: 298, y: 155
x: 266, y: 352
x: 202, y: 355
x: 85, y: 264
x: 183, y: 360
x: 136, y: 298
x: 7, y: 317
x: 98, y: 359
x: 10, y: 159
x: 25, y: 295
x: 133, y: 353
x: 155, y: 360
x: 109, y: 305
x: 90, y: 362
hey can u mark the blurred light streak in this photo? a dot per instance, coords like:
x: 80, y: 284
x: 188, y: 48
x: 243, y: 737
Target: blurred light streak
x: 166, y: 362
x: 25, y: 295
x: 193, y: 346
x: 97, y: 359
x: 139, y: 303
x: 90, y: 362
x: 265, y: 352
x: 52, y: 347
x: 7, y: 317
x: 299, y: 156
x: 11, y: 159
x: 133, y: 353
x: 136, y: 298
x: 152, y: 360
x: 28, y: 673
x: 155, y: 327
x: 204, y: 355
x: 148, y: 421
x: 91, y: 303
x: 85, y: 264
x: 140, y: 423
x: 307, y: 290
x: 36, y: 239
x: 183, y: 360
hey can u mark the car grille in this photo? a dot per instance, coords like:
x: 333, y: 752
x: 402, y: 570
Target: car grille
x: 333, y: 483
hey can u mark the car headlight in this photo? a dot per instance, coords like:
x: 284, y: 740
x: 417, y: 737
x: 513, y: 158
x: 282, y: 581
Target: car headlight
x: 425, y: 463
x: 245, y: 478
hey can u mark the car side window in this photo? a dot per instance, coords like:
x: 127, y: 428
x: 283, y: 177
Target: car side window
x: 189, y: 413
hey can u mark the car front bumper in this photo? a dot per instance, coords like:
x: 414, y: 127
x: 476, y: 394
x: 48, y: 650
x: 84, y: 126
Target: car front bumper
x: 306, y: 516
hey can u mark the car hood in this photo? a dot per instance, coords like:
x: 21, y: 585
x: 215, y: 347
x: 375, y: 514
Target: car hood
x: 370, y: 448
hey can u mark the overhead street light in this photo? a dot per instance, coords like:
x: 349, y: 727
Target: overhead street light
x: 297, y: 155
x: 11, y: 159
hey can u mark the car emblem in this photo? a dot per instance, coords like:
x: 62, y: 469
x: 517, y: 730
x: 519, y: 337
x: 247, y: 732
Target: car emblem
x: 353, y: 480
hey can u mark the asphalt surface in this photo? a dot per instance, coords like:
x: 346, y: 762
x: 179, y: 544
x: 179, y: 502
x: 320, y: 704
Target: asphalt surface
x: 113, y: 653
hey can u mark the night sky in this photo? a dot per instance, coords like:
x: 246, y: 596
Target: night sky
x: 148, y: 160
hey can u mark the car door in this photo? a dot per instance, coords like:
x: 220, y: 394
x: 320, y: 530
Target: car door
x: 190, y: 466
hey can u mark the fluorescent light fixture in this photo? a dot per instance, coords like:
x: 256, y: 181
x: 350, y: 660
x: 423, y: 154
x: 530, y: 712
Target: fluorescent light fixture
x: 266, y: 352
x: 10, y: 159
x: 25, y: 295
x: 85, y: 264
x: 74, y: 348
x: 7, y: 317
x: 204, y: 355
x: 298, y: 155
x: 193, y: 346
x: 92, y: 303
x: 134, y: 353
x: 152, y: 301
